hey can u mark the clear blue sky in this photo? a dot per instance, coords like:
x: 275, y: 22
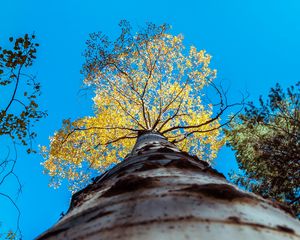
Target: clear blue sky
x: 254, y: 44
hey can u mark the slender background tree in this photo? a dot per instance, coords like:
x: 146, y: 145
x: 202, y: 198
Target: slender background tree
x: 266, y: 139
x: 19, y: 110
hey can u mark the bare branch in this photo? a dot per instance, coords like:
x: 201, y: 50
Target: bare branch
x: 18, y: 210
x: 208, y: 130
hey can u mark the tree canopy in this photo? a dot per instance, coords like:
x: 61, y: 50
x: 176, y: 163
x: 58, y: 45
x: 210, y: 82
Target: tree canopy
x: 142, y: 81
x: 19, y: 110
x: 266, y: 139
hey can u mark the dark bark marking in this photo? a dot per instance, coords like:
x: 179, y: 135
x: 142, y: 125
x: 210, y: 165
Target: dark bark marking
x: 78, y: 197
x: 285, y: 229
x: 182, y: 164
x: 129, y: 184
x: 156, y: 157
x: 166, y: 150
x: 142, y: 132
x: 234, y: 219
x: 195, y: 157
x: 149, y: 166
x: 99, y: 215
x: 218, y: 191
x: 53, y: 233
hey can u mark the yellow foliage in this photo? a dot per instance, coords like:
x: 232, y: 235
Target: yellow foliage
x: 156, y: 87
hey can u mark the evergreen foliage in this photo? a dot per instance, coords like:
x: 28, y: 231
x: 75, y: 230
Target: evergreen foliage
x: 266, y: 139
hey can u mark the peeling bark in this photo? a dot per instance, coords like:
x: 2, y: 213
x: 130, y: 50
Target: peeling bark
x: 160, y: 192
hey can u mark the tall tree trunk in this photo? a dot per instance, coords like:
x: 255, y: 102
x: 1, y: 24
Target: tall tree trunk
x: 160, y: 192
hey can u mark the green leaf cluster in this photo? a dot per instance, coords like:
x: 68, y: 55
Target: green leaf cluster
x: 19, y: 111
x: 266, y: 140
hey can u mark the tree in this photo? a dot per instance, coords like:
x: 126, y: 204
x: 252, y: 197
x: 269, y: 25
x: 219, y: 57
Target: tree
x: 267, y: 144
x: 19, y: 110
x: 148, y: 90
x: 146, y: 81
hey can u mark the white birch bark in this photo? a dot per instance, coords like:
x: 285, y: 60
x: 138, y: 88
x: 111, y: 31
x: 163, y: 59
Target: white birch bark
x: 159, y: 192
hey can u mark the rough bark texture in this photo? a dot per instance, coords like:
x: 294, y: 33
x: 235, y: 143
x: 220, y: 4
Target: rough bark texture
x: 159, y: 192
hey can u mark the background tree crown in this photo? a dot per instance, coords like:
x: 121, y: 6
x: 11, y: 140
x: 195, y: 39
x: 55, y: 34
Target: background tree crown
x: 266, y: 139
x: 18, y: 107
x: 19, y: 113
